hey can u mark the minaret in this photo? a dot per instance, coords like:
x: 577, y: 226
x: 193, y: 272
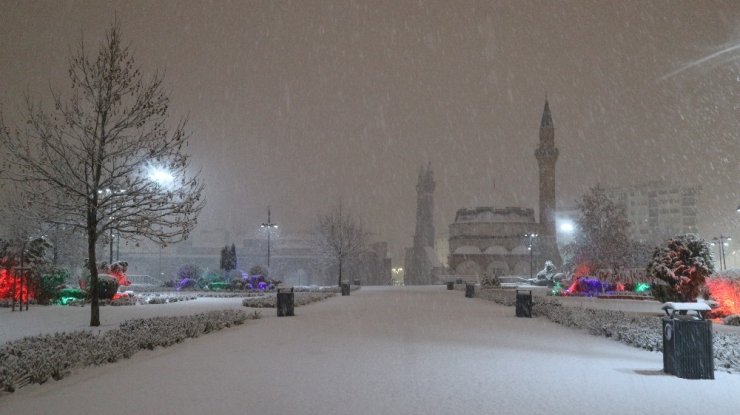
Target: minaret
x: 418, y: 267
x: 547, y: 156
x: 424, y: 235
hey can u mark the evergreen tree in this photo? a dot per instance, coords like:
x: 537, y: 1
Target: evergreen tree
x: 224, y: 254
x: 601, y: 239
x: 232, y: 258
x: 683, y: 263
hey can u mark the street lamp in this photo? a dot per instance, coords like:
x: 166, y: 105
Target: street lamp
x: 722, y: 241
x: 531, y: 237
x: 268, y: 226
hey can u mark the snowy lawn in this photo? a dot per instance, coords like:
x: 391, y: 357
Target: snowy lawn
x: 395, y: 350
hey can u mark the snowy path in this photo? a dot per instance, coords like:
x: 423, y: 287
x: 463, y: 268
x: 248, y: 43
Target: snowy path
x: 386, y: 351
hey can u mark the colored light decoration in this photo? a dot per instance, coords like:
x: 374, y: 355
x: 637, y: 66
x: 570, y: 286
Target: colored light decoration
x: 642, y: 287
x: 582, y: 270
x: 557, y: 289
x: 10, y: 287
x: 726, y: 292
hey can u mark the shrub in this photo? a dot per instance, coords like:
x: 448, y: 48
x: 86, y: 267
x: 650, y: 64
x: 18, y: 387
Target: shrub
x: 218, y: 286
x: 733, y: 320
x: 237, y: 284
x: 107, y: 286
x: 70, y: 295
x: 49, y: 285
x: 489, y: 281
x: 683, y: 263
x: 189, y: 271
x: 213, y: 277
x: 186, y: 283
x: 258, y: 270
x: 39, y: 358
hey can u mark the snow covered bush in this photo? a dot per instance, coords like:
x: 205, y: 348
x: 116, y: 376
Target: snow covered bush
x: 107, y: 286
x: 733, y: 320
x: 258, y: 270
x: 49, y: 285
x: 300, y: 299
x: 683, y: 263
x: 489, y: 281
x: 189, y: 271
x: 642, y: 331
x: 39, y: 358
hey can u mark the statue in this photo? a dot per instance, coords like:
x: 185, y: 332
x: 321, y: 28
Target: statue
x: 547, y: 277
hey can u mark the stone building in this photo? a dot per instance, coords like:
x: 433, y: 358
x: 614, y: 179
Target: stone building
x: 421, y: 260
x: 508, y: 241
x: 489, y: 240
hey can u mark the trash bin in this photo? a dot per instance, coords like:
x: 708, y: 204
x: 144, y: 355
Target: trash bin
x: 356, y: 282
x: 687, y: 341
x: 450, y: 285
x: 469, y: 290
x: 345, y: 288
x: 285, y: 302
x: 523, y: 303
x: 459, y: 281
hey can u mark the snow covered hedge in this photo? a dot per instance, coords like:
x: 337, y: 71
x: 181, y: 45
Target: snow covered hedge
x: 641, y: 331
x: 37, y: 359
x: 300, y: 299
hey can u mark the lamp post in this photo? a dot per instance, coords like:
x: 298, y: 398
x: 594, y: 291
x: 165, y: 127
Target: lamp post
x: 530, y: 245
x: 268, y: 226
x: 722, y: 241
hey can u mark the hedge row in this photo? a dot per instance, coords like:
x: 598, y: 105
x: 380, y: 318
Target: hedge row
x: 299, y: 299
x: 641, y: 331
x: 38, y: 358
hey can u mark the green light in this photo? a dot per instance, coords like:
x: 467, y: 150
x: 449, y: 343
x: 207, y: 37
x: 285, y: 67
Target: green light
x: 642, y: 287
x: 65, y: 300
x: 557, y: 289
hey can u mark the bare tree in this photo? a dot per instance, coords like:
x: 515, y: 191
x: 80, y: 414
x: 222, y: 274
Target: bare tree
x: 341, y: 239
x: 96, y: 162
x: 601, y: 240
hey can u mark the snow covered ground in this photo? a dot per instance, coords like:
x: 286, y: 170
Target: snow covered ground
x: 392, y: 350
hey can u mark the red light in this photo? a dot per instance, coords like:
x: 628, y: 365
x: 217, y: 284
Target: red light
x: 726, y: 293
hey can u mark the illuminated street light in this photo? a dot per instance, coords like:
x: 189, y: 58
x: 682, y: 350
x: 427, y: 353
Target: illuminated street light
x: 531, y: 237
x: 722, y: 241
x: 161, y: 176
x: 567, y: 227
x: 268, y: 226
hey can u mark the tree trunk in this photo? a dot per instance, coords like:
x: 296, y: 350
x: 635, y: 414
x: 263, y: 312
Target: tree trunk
x: 93, y: 268
x: 339, y: 283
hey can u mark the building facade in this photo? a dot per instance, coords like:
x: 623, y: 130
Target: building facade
x: 491, y: 241
x: 508, y: 241
x: 658, y: 210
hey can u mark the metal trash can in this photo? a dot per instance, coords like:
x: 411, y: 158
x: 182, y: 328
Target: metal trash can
x: 450, y: 285
x: 687, y: 341
x: 469, y: 290
x: 524, y: 303
x: 285, y: 303
x: 345, y: 288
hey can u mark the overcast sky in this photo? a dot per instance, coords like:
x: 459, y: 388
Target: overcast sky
x: 300, y: 104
